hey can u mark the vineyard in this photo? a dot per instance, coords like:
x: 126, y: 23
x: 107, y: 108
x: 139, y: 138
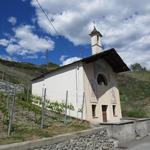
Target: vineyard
x: 21, y: 119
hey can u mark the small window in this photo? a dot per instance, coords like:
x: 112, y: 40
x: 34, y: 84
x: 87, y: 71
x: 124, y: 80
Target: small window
x: 101, y: 80
x: 93, y: 110
x: 114, y: 110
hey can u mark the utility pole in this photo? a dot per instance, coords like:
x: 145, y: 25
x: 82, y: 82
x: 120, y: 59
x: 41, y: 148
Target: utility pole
x: 46, y: 56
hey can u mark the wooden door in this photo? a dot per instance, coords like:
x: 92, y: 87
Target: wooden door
x: 104, y: 113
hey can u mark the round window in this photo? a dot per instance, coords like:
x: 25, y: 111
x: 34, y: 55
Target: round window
x: 101, y: 80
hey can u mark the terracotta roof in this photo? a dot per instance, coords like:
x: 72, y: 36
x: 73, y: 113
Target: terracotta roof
x: 110, y: 56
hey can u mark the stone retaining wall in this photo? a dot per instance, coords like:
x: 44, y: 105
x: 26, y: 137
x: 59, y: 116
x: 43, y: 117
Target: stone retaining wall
x: 8, y: 87
x: 127, y: 131
x: 92, y: 139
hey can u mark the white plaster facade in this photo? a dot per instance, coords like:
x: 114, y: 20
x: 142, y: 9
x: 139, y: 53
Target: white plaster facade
x: 59, y: 82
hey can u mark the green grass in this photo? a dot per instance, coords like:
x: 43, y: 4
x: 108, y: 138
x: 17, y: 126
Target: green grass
x: 137, y: 113
x: 26, y: 124
x: 23, y: 72
x: 135, y: 93
x: 15, y: 76
x: 141, y: 75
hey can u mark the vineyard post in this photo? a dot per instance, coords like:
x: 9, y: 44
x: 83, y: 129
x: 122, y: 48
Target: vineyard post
x: 65, y: 119
x: 28, y: 92
x: 3, y: 76
x: 12, y: 112
x: 82, y: 106
x: 43, y: 107
x: 7, y: 97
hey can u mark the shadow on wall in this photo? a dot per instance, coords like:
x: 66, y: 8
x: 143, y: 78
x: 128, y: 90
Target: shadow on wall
x: 101, y: 78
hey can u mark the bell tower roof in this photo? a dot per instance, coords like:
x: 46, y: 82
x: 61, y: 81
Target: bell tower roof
x: 95, y: 32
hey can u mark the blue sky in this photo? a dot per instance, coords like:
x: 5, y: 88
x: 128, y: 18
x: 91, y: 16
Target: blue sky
x: 20, y: 14
x: 26, y: 33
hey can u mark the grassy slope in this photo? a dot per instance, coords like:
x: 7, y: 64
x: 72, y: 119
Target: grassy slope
x: 135, y: 93
x: 21, y: 72
x: 26, y: 122
x: 14, y: 75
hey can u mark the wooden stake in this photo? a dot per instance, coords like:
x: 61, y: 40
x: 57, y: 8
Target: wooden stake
x: 43, y: 107
x: 12, y: 112
x: 83, y: 105
x: 28, y: 90
x: 65, y: 119
x: 3, y: 76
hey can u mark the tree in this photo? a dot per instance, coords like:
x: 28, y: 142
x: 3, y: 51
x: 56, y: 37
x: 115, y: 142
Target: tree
x: 137, y: 67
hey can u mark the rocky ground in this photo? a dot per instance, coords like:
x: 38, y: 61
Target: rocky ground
x: 97, y: 141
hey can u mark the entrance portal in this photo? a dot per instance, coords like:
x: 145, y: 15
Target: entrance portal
x: 104, y: 113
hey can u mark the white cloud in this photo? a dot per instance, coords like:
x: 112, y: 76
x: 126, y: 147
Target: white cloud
x: 13, y: 48
x: 70, y: 60
x: 26, y: 42
x: 12, y: 20
x: 137, y: 51
x: 122, y: 23
x: 4, y: 42
x: 62, y: 58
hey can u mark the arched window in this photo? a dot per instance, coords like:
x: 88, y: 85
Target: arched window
x: 101, y: 80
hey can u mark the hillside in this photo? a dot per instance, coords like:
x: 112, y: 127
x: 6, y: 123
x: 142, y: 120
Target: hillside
x: 27, y: 121
x: 134, y: 86
x: 22, y: 72
x: 135, y: 93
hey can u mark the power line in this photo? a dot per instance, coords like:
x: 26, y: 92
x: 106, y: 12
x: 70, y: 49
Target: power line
x: 46, y: 16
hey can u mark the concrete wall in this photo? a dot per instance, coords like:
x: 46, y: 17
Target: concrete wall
x: 128, y: 130
x: 69, y: 79
x: 101, y: 94
x: 91, y: 139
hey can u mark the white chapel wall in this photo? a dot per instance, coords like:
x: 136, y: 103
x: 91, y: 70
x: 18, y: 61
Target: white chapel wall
x: 69, y: 79
x: 37, y: 87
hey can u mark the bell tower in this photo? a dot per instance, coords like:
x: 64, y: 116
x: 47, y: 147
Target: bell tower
x: 96, y: 42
